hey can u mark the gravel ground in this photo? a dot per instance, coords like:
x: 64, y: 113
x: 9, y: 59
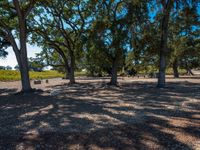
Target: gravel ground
x: 93, y: 115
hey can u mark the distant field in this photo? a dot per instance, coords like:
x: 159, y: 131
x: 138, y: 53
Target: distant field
x: 13, y: 75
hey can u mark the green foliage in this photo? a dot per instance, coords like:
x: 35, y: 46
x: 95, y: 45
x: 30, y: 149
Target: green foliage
x: 3, y: 45
x: 169, y: 71
x: 65, y: 22
x: 80, y: 73
x: 184, y: 38
x: 96, y: 35
x: 36, y: 64
x: 5, y: 68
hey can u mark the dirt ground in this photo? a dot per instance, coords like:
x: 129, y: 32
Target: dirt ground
x: 93, y: 115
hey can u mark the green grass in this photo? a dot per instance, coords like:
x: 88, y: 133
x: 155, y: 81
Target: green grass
x: 169, y: 71
x: 80, y: 73
x: 12, y: 75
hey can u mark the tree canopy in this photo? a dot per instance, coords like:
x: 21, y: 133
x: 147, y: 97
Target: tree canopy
x: 105, y: 37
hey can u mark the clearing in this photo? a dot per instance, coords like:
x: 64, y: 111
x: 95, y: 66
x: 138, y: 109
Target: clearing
x: 92, y: 115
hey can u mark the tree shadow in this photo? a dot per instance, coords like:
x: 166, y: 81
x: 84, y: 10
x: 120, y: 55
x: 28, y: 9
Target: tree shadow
x: 7, y: 91
x: 92, y: 116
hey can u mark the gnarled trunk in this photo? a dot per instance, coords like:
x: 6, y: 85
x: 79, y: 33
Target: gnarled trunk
x: 175, y: 68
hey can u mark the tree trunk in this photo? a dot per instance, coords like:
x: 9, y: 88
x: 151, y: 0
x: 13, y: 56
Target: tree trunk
x: 21, y: 51
x: 162, y: 68
x: 163, y: 43
x: 113, y: 80
x: 66, y: 75
x: 71, y: 76
x: 175, y: 68
x: 189, y: 71
x: 72, y: 68
x: 22, y: 56
x: 66, y: 71
x: 25, y: 81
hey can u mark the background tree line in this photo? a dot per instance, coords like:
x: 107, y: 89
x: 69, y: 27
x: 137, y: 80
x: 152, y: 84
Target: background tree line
x: 103, y: 37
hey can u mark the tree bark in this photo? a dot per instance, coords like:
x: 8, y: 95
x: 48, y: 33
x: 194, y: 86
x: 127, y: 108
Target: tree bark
x: 175, y: 68
x: 189, y: 71
x: 71, y: 68
x: 21, y: 57
x: 22, y: 53
x: 162, y: 68
x: 163, y: 44
x: 66, y: 71
x: 25, y: 81
x: 113, y: 80
x: 26, y: 87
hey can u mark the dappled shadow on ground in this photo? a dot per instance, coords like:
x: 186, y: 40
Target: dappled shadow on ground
x: 97, y: 116
x: 7, y: 91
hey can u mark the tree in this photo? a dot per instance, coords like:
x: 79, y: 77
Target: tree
x: 168, y: 8
x: 2, y: 68
x: 13, y: 25
x: 144, y: 42
x: 52, y: 58
x: 95, y: 61
x: 65, y: 22
x: 36, y: 64
x: 16, y: 67
x: 111, y: 31
x: 8, y: 68
x: 183, y: 38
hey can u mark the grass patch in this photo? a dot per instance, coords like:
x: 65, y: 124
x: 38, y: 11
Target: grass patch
x: 13, y: 75
x: 80, y: 73
x: 170, y: 71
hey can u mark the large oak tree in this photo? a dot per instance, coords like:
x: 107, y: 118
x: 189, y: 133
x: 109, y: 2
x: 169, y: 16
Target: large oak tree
x: 13, y: 25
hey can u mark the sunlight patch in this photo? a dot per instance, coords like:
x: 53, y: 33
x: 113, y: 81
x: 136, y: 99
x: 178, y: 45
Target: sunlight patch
x: 120, y: 112
x: 99, y: 119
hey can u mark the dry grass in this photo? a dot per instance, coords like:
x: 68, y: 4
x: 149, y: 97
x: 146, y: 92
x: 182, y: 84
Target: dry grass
x: 13, y: 75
